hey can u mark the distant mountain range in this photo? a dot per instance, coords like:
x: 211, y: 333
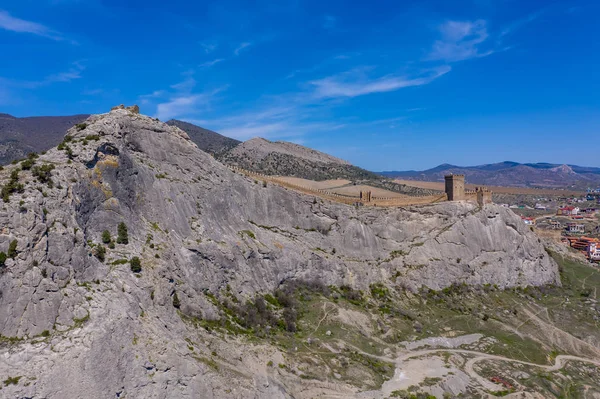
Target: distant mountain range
x: 511, y: 174
x: 20, y: 136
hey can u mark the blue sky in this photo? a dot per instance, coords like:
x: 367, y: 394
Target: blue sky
x: 387, y: 85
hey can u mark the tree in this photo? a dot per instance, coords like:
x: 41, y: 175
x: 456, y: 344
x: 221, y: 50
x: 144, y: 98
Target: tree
x: 176, y: 302
x: 100, y: 253
x: 136, y: 265
x: 12, y: 249
x: 122, y: 237
x: 106, y: 238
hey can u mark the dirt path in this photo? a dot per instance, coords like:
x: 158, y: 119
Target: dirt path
x: 559, y: 363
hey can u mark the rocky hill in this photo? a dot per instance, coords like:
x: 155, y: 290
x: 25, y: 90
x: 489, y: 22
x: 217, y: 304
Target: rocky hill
x: 289, y: 159
x: 207, y: 140
x: 21, y: 136
x: 512, y: 174
x: 136, y: 265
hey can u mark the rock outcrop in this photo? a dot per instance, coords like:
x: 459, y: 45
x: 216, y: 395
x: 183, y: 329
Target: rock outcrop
x: 80, y: 326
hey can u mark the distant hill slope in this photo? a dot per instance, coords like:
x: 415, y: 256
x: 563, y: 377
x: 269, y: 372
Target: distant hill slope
x: 289, y: 159
x: 512, y: 174
x: 207, y: 140
x: 20, y: 136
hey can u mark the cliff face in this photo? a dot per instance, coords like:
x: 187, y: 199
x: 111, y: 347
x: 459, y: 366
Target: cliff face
x: 198, y: 228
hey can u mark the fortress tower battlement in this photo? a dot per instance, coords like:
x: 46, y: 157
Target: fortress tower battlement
x: 455, y: 190
x: 455, y: 187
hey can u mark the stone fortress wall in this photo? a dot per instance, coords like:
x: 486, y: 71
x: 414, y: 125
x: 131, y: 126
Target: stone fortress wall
x: 455, y: 191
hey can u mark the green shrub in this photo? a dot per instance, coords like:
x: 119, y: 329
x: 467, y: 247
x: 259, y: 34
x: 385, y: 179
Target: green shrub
x: 27, y: 164
x: 135, y: 264
x: 12, y: 381
x: 80, y: 127
x: 3, y: 258
x: 106, y: 238
x: 13, y: 186
x: 176, y: 302
x: 122, y: 236
x: 100, y: 253
x: 43, y: 173
x: 12, y: 249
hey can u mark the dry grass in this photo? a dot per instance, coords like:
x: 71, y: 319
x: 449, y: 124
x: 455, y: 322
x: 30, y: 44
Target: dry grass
x: 340, y: 186
x: 375, y: 192
x: 316, y: 185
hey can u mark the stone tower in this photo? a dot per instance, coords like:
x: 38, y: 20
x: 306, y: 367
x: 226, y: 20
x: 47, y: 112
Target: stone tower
x: 455, y: 187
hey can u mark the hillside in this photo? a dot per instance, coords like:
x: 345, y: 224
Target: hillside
x: 207, y: 140
x: 289, y: 159
x: 512, y: 174
x: 20, y: 136
x: 139, y: 266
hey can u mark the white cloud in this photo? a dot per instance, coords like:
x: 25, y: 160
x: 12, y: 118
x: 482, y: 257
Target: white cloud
x: 10, y: 23
x: 460, y: 41
x: 241, y: 47
x: 355, y: 83
x: 208, y: 64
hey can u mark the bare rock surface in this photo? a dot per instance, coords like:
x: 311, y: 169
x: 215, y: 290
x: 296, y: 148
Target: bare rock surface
x: 78, y: 327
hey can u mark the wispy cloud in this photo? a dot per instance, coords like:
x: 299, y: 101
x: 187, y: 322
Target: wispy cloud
x: 329, y: 22
x: 147, y: 98
x: 185, y: 86
x: 6, y: 97
x: 356, y: 83
x: 92, y: 92
x: 208, y: 46
x: 208, y: 64
x: 328, y: 61
x: 14, y: 24
x: 73, y: 73
x: 520, y: 23
x: 291, y: 130
x: 241, y: 47
x: 185, y: 104
x: 460, y: 40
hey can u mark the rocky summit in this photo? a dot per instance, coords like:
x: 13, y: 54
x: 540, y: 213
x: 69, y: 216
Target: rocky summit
x: 127, y: 251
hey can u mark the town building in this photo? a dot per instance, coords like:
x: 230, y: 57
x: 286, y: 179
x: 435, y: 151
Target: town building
x: 574, y: 227
x: 568, y: 211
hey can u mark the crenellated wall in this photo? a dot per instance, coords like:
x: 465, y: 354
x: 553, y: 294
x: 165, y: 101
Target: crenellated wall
x: 365, y: 198
x: 455, y: 191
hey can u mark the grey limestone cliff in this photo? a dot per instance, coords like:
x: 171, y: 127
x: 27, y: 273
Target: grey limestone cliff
x: 74, y: 326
